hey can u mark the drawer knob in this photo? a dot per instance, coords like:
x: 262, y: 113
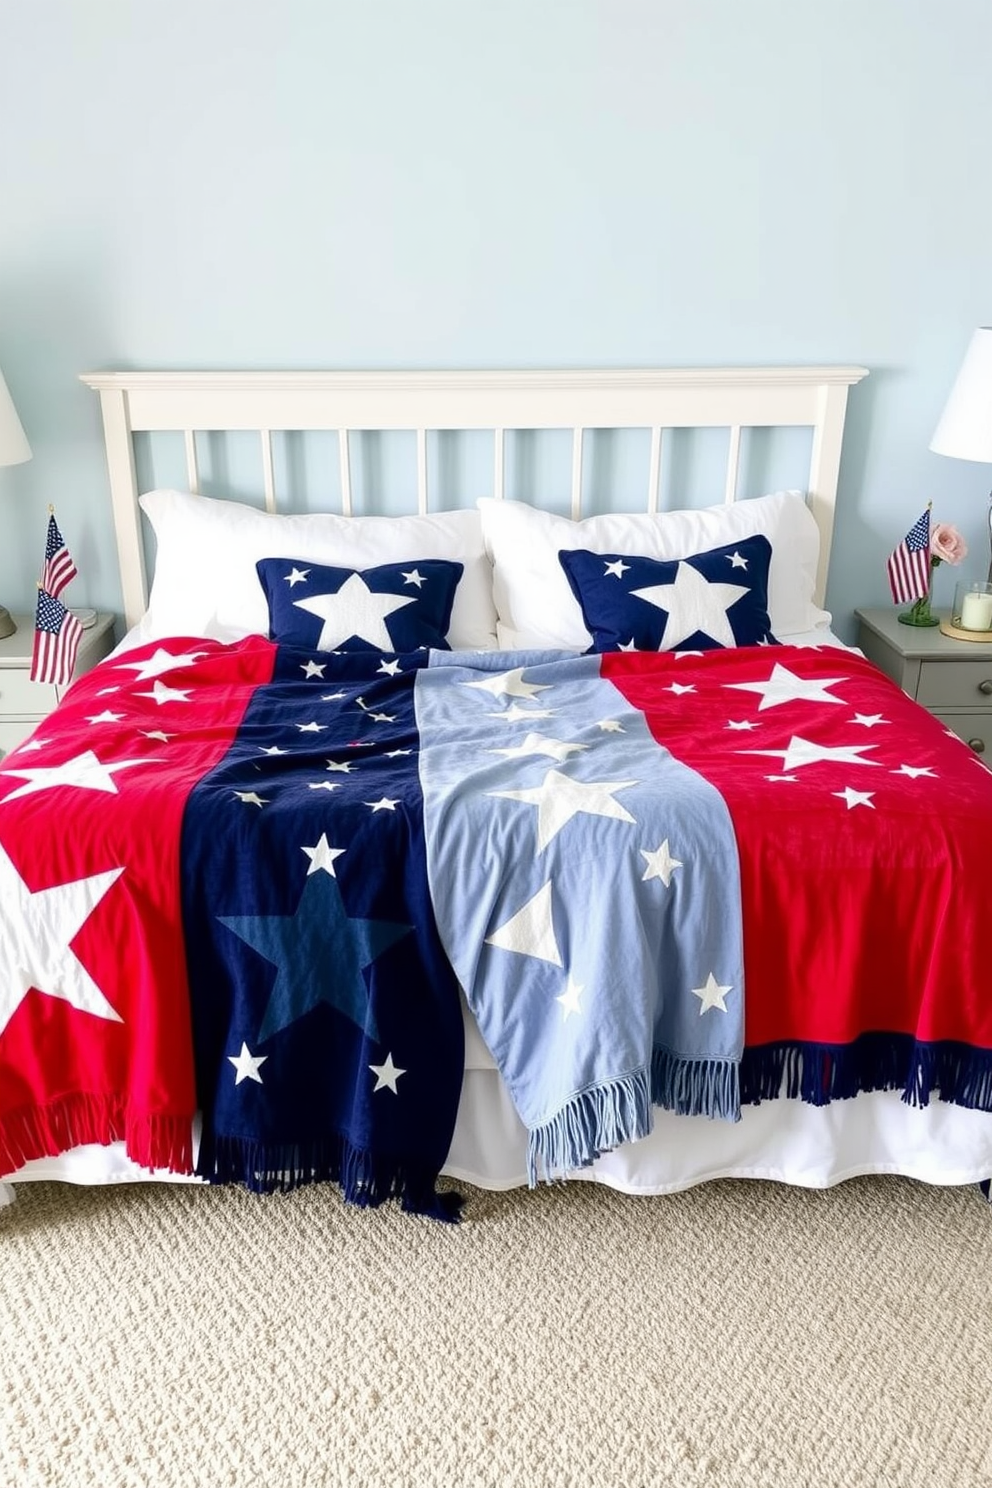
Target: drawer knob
x: 985, y: 687
x: 978, y: 745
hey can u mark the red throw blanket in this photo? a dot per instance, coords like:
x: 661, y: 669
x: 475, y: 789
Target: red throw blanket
x: 864, y: 828
x: 89, y: 879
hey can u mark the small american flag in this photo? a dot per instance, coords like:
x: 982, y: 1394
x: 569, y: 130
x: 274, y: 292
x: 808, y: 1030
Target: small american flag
x: 909, y: 565
x: 59, y: 567
x: 56, y: 640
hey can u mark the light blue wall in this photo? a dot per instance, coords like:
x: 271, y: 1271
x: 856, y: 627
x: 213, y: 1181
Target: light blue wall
x: 324, y: 183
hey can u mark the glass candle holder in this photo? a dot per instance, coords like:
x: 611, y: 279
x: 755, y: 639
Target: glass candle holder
x: 972, y: 609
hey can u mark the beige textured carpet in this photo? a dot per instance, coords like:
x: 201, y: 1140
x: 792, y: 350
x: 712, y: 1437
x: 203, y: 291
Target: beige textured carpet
x: 736, y: 1334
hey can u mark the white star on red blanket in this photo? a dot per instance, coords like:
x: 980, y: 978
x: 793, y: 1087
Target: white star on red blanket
x: 36, y: 947
x: 558, y: 798
x: 105, y: 717
x: 84, y: 772
x: 386, y: 1075
x: 160, y: 662
x: 784, y: 686
x: 160, y: 694
x: 915, y: 771
x: 855, y: 798
x: 805, y: 752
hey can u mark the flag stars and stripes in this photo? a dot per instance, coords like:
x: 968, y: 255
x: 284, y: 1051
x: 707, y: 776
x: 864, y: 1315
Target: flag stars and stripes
x: 59, y: 569
x: 57, y: 634
x: 908, y: 565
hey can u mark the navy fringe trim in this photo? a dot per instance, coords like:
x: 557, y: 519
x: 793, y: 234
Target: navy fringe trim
x: 365, y: 1179
x: 821, y: 1073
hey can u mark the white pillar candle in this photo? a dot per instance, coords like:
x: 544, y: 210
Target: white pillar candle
x: 976, y: 612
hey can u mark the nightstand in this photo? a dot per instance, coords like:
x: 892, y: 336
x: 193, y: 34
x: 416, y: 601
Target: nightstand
x: 952, y: 679
x: 23, y: 703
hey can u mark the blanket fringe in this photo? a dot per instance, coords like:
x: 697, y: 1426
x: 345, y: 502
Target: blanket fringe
x: 154, y: 1142
x: 593, y: 1121
x: 696, y: 1087
x: 821, y: 1073
x: 364, y: 1179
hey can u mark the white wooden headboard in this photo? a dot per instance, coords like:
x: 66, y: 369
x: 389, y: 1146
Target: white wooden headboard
x: 345, y: 402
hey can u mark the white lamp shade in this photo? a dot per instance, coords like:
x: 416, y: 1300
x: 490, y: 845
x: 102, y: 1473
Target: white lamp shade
x: 14, y: 447
x: 965, y: 428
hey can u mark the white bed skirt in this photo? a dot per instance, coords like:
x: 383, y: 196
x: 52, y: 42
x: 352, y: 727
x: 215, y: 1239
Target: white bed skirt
x: 784, y: 1140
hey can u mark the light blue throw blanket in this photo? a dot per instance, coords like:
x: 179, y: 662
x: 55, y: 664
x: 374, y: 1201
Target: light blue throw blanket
x: 586, y: 887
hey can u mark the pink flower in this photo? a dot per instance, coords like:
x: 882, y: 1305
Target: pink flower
x: 946, y: 544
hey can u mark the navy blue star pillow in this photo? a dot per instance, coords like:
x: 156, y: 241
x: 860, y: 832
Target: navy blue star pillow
x: 395, y: 607
x: 699, y: 603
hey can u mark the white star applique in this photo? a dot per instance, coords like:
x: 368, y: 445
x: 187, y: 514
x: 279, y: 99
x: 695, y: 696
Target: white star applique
x: 869, y: 720
x: 273, y: 750
x: 34, y: 744
x: 105, y: 717
x: 313, y: 669
x: 322, y: 856
x: 383, y: 804
x: 84, y: 772
x: 680, y: 687
x: 660, y: 863
x: 296, y: 576
x: 531, y: 931
x: 354, y: 611
x: 160, y: 694
x: 514, y: 713
x: 712, y: 995
x: 332, y: 697
x: 540, y: 744
x: 784, y: 686
x: 854, y: 798
x: 311, y: 728
x: 324, y: 784
x: 610, y: 726
x: 569, y: 999
x: 105, y: 691
x: 630, y: 645
x: 157, y: 734
x: 805, y: 752
x: 382, y: 717
x: 247, y: 1065
x: 558, y: 798
x: 785, y: 779
x: 509, y: 684
x: 389, y: 668
x: 36, y: 947
x: 386, y: 1075
x: 915, y: 771
x: 743, y: 726
x: 617, y: 568
x: 342, y: 767
x: 160, y: 662
x: 251, y: 798
x: 736, y: 561
x: 414, y: 577
x: 693, y: 604
x: 395, y: 753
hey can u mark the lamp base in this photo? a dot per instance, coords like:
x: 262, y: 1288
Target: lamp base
x: 7, y: 626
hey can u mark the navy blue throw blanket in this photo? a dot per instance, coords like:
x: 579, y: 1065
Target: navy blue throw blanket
x: 327, y: 1027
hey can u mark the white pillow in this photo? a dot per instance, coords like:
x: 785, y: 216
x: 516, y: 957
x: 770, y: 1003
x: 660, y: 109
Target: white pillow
x: 536, y: 608
x: 205, y: 582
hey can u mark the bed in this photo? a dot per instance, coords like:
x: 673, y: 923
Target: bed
x: 488, y: 840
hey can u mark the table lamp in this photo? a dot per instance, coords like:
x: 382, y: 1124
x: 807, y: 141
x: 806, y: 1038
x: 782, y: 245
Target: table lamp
x: 14, y: 448
x: 965, y: 428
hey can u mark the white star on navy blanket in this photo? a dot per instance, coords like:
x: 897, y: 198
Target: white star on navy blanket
x: 38, y: 950
x: 386, y: 1075
x: 247, y: 1065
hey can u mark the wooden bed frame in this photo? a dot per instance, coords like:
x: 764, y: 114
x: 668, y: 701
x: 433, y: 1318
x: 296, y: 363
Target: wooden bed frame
x: 422, y: 402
